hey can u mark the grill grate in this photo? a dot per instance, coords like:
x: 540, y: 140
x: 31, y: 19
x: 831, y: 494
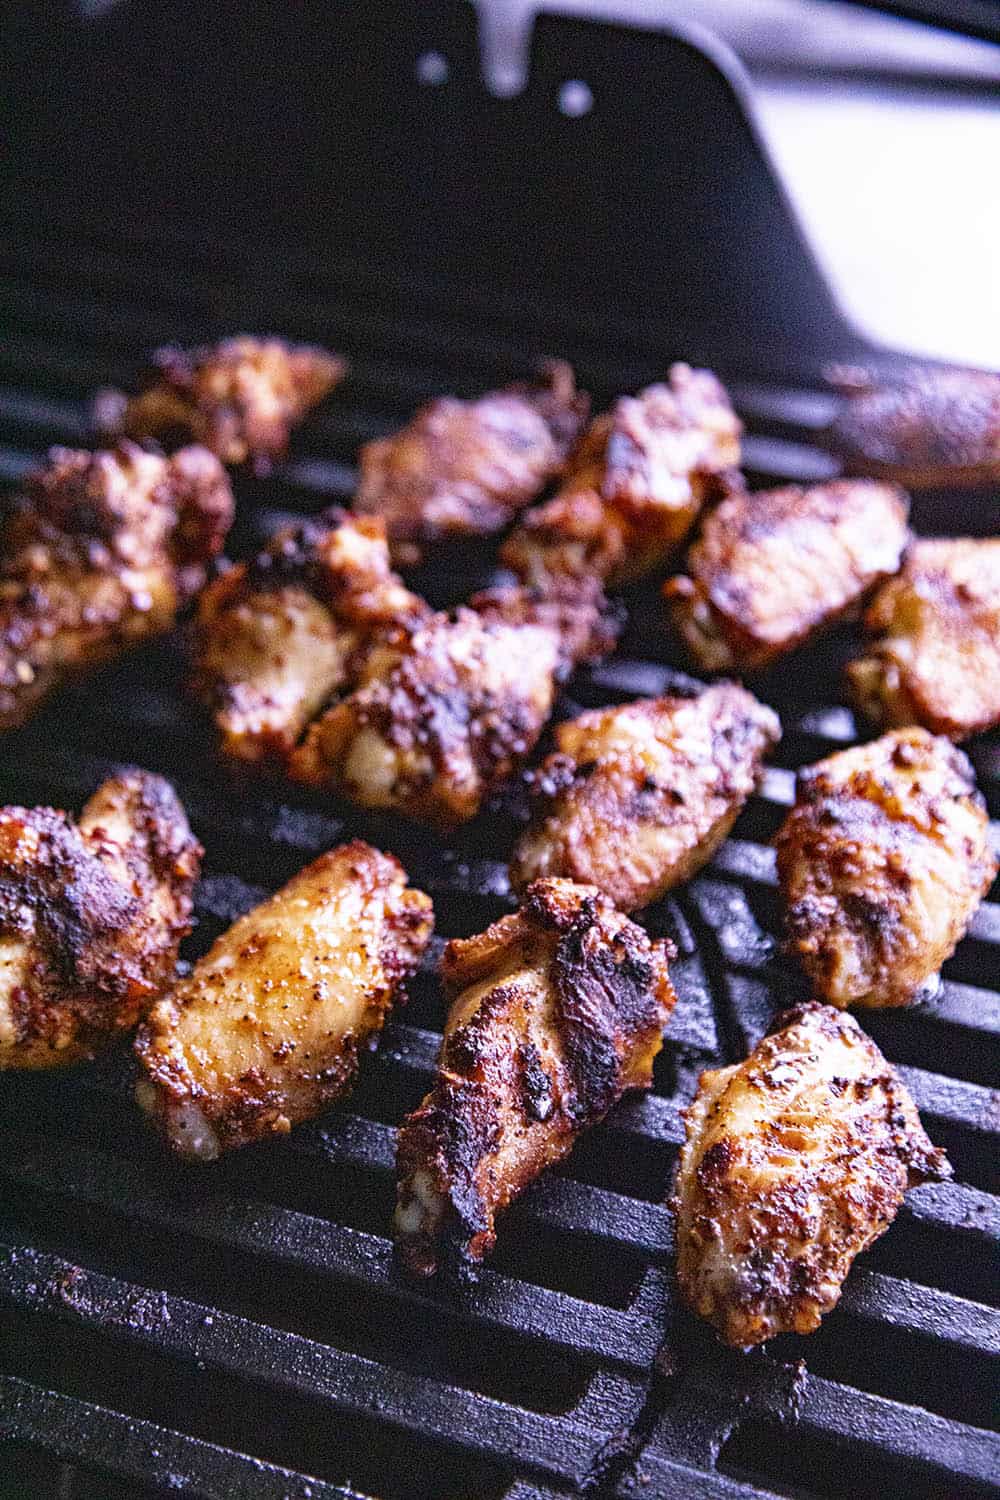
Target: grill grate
x: 232, y: 1332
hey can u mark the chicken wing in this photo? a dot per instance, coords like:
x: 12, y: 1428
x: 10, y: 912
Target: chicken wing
x: 98, y: 554
x: 882, y: 862
x: 239, y: 398
x: 90, y: 917
x: 638, y: 797
x: 465, y: 468
x: 795, y: 1161
x: 267, y: 1029
x: 935, y: 659
x: 276, y: 638
x: 634, y: 485
x: 557, y: 1010
x: 769, y: 571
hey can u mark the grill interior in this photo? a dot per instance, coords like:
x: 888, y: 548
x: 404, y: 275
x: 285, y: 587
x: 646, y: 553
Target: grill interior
x: 242, y: 1330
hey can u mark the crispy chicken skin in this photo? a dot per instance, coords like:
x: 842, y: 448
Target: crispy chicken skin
x: 638, y: 797
x: 634, y: 485
x: 277, y: 637
x: 927, y: 427
x: 882, y: 862
x: 770, y: 570
x: 795, y: 1161
x: 935, y: 659
x: 442, y: 715
x: 90, y: 917
x: 556, y: 1012
x: 267, y: 1029
x: 465, y: 468
x: 98, y: 554
x: 240, y: 398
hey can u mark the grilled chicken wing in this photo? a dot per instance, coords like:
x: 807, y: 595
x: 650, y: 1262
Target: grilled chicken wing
x: 276, y: 638
x: 935, y: 659
x: 795, y: 1161
x: 557, y: 1010
x: 99, y: 554
x: 465, y: 468
x: 637, y: 798
x: 770, y: 570
x: 240, y: 398
x: 267, y: 1029
x: 90, y: 917
x: 443, y: 714
x: 634, y: 485
x: 882, y: 862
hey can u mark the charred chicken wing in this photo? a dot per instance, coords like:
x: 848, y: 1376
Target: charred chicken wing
x: 556, y: 1011
x: 935, y: 659
x: 465, y: 468
x: 98, y: 554
x: 795, y: 1161
x: 638, y: 797
x: 267, y: 1029
x: 634, y: 485
x: 90, y: 917
x: 772, y: 569
x: 882, y: 862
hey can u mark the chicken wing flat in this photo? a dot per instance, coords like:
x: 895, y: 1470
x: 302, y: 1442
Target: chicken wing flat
x: 91, y: 916
x: 634, y: 486
x: 637, y: 798
x: 557, y: 1011
x: 267, y: 1029
x: 935, y: 659
x: 442, y: 715
x: 882, y: 862
x: 276, y: 638
x: 795, y: 1161
x: 770, y: 570
x: 465, y: 468
x: 928, y: 427
x: 99, y: 553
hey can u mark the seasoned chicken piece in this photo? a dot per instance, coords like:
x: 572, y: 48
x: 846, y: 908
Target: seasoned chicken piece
x: 557, y: 1011
x: 240, y: 398
x: 443, y: 714
x: 882, y: 862
x: 926, y: 427
x: 277, y: 637
x: 634, y: 486
x: 795, y: 1161
x: 267, y: 1029
x: 99, y: 553
x: 936, y: 657
x: 638, y: 797
x: 769, y: 571
x: 90, y: 917
x: 465, y: 468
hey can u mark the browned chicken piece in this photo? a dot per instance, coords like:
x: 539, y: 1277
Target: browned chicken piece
x: 465, y: 468
x: 241, y: 398
x: 277, y: 637
x: 935, y: 659
x: 882, y: 862
x: 99, y: 554
x: 634, y: 486
x: 771, y: 570
x: 268, y: 1028
x: 924, y: 428
x: 91, y: 916
x: 637, y: 798
x: 795, y: 1161
x: 577, y: 609
x: 556, y: 1012
x: 442, y: 715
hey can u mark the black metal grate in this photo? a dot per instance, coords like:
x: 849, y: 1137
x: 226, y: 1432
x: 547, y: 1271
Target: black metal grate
x: 229, y: 1332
